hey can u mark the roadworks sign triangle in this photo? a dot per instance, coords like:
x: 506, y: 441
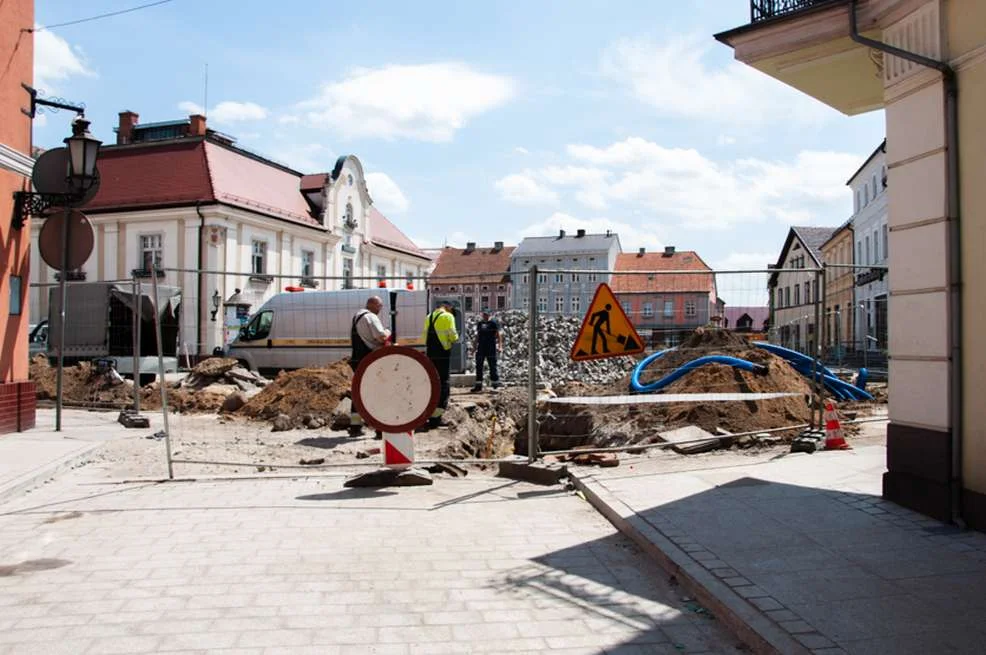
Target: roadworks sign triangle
x: 606, y: 331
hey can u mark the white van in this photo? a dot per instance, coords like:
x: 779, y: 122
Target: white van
x: 312, y: 328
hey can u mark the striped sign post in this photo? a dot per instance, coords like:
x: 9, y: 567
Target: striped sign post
x: 395, y: 390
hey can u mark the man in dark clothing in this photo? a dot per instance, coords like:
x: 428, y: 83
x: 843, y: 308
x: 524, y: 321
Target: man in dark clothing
x: 367, y: 334
x: 489, y: 340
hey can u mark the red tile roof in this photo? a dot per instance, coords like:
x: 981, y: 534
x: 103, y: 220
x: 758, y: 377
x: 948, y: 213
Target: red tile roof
x: 685, y: 260
x: 315, y: 182
x: 385, y: 234
x: 195, y: 170
x: 164, y: 174
x: 458, y: 266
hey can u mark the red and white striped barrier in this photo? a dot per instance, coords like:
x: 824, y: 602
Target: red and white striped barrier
x: 398, y: 450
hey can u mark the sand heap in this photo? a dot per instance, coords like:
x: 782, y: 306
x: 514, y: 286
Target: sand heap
x: 308, y: 397
x: 208, y: 387
x: 82, y: 385
x: 573, y: 425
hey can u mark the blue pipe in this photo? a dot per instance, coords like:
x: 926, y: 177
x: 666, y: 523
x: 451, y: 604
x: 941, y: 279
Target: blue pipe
x: 657, y: 385
x: 803, y: 364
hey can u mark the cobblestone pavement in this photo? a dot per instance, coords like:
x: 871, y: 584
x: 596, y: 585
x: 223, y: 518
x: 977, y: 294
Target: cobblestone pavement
x: 302, y: 565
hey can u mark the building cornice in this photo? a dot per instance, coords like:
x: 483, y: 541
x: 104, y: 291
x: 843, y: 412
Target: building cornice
x: 15, y: 161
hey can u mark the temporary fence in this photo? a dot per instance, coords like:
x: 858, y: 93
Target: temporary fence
x: 687, y: 323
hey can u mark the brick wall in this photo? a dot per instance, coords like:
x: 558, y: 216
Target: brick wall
x: 18, y: 405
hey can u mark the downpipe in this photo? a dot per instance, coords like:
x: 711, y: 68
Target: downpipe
x: 953, y: 249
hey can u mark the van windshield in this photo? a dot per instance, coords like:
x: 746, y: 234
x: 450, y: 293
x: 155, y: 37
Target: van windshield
x: 258, y: 327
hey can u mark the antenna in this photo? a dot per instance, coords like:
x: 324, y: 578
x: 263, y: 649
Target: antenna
x: 205, y: 102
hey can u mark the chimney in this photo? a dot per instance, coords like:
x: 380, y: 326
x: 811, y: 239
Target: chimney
x: 197, y: 125
x: 640, y: 253
x: 561, y: 234
x: 124, y: 133
x: 669, y: 251
x: 497, y: 246
x: 609, y: 233
x: 579, y: 234
x: 470, y: 246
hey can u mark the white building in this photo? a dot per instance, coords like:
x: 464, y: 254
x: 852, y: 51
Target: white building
x: 869, y: 186
x: 181, y: 196
x: 561, y: 292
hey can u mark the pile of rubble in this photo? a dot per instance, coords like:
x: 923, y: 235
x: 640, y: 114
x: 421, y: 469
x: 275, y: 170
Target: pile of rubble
x: 82, y: 384
x: 215, y: 383
x: 555, y: 335
x: 307, y: 397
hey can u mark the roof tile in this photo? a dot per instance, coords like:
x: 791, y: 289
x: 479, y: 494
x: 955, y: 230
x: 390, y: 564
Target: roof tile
x: 685, y: 260
x: 458, y: 266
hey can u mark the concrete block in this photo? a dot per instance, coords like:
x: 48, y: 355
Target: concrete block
x: 537, y: 473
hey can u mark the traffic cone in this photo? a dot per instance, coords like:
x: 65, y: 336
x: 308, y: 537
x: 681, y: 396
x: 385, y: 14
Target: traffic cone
x: 834, y: 439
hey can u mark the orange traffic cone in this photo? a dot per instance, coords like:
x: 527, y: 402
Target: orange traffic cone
x: 834, y: 439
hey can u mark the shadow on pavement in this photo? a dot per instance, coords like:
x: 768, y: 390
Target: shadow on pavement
x: 325, y: 442
x: 349, y: 494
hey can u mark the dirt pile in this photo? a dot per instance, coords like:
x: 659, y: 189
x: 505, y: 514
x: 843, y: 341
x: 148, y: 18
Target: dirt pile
x: 486, y: 427
x: 307, y: 396
x: 567, y: 426
x: 82, y: 385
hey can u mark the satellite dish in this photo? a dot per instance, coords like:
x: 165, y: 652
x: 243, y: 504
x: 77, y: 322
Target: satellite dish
x: 51, y: 176
x: 78, y: 244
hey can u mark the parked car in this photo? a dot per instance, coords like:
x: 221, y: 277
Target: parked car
x: 38, y: 339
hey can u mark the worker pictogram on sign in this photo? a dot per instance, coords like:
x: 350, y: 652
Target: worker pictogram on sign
x: 606, y: 331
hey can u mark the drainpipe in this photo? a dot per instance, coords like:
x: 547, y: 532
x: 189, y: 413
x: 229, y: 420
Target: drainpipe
x: 201, y: 279
x: 953, y: 251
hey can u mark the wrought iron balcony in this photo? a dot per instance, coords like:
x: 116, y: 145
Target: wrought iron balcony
x: 761, y: 10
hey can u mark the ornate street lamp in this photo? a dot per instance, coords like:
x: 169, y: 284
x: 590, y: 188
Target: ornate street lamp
x: 216, y: 301
x: 83, y: 149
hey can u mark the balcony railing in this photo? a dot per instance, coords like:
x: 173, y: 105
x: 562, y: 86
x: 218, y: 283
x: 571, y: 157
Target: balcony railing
x: 761, y: 10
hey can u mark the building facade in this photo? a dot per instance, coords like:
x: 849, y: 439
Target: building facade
x: 17, y: 395
x: 480, y: 276
x: 232, y: 225
x: 872, y: 242
x: 840, y: 294
x: 665, y: 308
x: 933, y: 93
x: 568, y: 293
x: 793, y: 291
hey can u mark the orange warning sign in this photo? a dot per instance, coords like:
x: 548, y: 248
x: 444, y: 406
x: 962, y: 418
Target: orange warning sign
x: 606, y: 331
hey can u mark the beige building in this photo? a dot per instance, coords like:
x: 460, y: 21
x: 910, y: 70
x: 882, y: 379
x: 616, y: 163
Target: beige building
x: 794, y: 291
x: 840, y: 283
x: 924, y: 62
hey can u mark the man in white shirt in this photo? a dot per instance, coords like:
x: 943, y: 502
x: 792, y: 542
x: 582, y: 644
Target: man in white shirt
x: 367, y: 334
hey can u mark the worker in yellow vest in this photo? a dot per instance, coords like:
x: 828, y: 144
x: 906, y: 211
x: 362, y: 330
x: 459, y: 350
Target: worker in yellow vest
x: 439, y: 335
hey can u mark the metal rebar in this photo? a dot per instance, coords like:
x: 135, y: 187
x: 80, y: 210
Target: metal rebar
x: 160, y: 368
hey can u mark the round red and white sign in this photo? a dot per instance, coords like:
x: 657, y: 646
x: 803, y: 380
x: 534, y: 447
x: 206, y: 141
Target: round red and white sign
x: 395, y: 389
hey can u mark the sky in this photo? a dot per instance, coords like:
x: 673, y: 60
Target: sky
x: 484, y: 121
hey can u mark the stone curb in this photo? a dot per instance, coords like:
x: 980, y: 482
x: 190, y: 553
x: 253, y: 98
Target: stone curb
x: 757, y: 631
x: 36, y: 477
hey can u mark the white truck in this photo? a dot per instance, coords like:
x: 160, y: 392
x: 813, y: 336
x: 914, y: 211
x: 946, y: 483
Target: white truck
x: 312, y: 328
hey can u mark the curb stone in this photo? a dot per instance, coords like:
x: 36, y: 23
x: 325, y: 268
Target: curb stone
x: 757, y: 631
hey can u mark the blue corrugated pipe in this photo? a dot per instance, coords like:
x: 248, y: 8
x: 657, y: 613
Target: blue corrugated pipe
x: 635, y: 384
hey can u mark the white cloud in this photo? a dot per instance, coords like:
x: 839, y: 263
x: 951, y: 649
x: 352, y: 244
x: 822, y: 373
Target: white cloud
x: 521, y: 189
x: 190, y: 107
x: 682, y: 186
x: 227, y: 111
x: 306, y: 158
x: 386, y: 194
x: 288, y: 119
x: 40, y: 120
x: 645, y: 235
x: 456, y: 239
x: 55, y: 61
x: 522, y: 151
x: 675, y: 78
x: 725, y: 140
x: 429, y: 102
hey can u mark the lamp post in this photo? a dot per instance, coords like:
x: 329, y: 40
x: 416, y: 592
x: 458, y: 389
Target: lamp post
x: 216, y: 301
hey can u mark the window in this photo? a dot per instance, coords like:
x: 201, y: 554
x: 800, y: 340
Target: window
x: 592, y: 277
x: 648, y: 310
x: 307, y: 263
x: 347, y: 273
x: 468, y: 303
x: 780, y: 298
x: 867, y: 250
x: 409, y: 278
x: 381, y: 273
x: 575, y: 277
x: 453, y: 288
x: 668, y: 308
x: 527, y: 303
x: 259, y: 260
x: 858, y: 204
x: 876, y: 247
x: 559, y: 278
x: 16, y: 293
x: 807, y: 293
x: 576, y: 304
x: 797, y: 294
x: 626, y: 307
x: 559, y: 304
x: 876, y: 188
x: 787, y: 296
x: 259, y: 327
x: 523, y: 278
x: 484, y: 302
x: 886, y: 243
x: 542, y: 305
x: 859, y: 253
x: 690, y: 308
x: 151, y: 251
x: 542, y: 278
x: 866, y: 194
x: 501, y: 302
